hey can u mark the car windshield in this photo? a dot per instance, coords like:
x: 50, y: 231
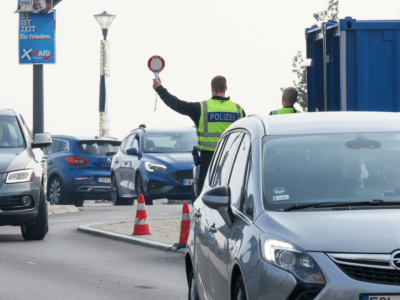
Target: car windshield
x: 346, y: 167
x: 100, y: 148
x: 10, y: 133
x: 169, y: 142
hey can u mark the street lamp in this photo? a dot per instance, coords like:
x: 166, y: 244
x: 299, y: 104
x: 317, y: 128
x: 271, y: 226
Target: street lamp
x: 105, y: 21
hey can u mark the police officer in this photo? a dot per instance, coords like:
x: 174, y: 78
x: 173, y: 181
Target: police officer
x: 289, y: 98
x: 211, y: 117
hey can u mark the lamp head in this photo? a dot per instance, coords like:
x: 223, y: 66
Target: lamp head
x: 105, y: 20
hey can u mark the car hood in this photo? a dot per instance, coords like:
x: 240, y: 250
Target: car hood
x: 13, y: 159
x: 171, y: 158
x: 361, y: 231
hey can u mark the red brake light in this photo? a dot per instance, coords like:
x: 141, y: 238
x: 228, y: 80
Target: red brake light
x: 77, y: 161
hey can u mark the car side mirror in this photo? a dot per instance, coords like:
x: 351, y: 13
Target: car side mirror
x: 132, y: 151
x: 219, y: 198
x: 41, y: 140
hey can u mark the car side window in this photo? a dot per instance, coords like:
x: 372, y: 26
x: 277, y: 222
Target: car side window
x: 129, y: 142
x: 123, y: 144
x: 239, y: 171
x: 226, y: 159
x: 64, y: 146
x: 215, y: 159
x: 54, y: 148
x: 248, y: 199
x: 135, y: 144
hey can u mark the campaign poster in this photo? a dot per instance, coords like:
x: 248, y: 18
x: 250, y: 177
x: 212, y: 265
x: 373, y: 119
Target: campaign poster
x: 34, y: 6
x: 37, y: 38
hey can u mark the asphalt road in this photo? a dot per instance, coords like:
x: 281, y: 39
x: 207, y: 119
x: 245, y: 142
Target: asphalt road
x: 69, y: 264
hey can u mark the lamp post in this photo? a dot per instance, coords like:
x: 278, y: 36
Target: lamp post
x: 105, y: 21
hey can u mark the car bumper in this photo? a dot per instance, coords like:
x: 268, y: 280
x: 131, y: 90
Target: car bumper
x: 268, y: 281
x: 89, y: 189
x: 15, y: 214
x: 166, y: 187
x: 341, y: 286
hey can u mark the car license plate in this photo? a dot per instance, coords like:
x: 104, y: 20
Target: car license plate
x: 104, y: 179
x: 381, y: 297
x: 186, y: 182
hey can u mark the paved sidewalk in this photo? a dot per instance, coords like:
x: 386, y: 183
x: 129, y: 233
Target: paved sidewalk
x: 162, y: 230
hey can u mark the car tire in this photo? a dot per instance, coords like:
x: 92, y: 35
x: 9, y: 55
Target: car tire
x: 115, y: 198
x: 140, y: 190
x: 56, y: 194
x: 192, y: 295
x: 79, y: 202
x: 40, y: 228
x: 240, y: 290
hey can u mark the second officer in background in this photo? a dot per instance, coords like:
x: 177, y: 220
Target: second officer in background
x: 211, y: 117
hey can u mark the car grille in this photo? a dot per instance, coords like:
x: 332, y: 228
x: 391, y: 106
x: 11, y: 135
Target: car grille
x: 13, y: 203
x: 372, y: 268
x: 178, y: 176
x: 181, y: 190
x: 372, y: 275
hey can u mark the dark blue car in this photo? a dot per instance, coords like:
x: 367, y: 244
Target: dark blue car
x: 79, y: 169
x: 156, y: 162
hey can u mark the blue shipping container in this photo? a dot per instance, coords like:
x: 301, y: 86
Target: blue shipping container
x: 355, y: 66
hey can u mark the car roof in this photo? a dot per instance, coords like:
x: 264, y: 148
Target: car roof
x: 84, y: 138
x: 166, y: 130
x: 7, y: 112
x: 330, y: 122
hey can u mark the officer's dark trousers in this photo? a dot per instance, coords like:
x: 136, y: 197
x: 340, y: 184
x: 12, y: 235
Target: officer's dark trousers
x: 205, y: 163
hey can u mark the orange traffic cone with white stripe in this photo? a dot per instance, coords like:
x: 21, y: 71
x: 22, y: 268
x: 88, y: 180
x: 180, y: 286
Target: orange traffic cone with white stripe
x: 185, y: 225
x: 141, y: 223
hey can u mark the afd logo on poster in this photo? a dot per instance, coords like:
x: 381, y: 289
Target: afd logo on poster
x: 45, y: 54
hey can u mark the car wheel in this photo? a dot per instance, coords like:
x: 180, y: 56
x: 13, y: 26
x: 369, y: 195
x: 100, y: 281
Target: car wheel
x: 56, y: 194
x: 37, y: 231
x: 79, y: 202
x: 115, y: 198
x: 192, y: 287
x: 140, y: 190
x: 240, y: 290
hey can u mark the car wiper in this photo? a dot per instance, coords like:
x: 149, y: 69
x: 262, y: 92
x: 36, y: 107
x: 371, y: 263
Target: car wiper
x: 338, y: 204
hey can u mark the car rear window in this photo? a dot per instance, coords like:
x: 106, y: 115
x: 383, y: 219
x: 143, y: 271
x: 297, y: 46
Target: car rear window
x: 100, y: 148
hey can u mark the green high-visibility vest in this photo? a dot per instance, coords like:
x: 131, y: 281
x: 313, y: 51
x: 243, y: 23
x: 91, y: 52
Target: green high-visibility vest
x: 285, y: 110
x: 215, y: 118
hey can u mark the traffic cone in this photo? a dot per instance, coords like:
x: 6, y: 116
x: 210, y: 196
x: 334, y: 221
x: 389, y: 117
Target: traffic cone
x: 141, y: 223
x: 185, y: 225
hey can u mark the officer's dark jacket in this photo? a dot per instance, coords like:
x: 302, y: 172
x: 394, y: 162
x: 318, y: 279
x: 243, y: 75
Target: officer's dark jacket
x: 190, y: 109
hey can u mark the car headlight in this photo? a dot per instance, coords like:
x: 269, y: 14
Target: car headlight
x: 20, y: 176
x: 154, y: 168
x: 289, y: 257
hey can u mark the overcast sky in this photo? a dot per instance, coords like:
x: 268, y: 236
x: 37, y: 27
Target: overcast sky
x: 250, y: 42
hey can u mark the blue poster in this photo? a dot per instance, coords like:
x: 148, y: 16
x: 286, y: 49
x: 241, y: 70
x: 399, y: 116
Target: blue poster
x: 37, y: 38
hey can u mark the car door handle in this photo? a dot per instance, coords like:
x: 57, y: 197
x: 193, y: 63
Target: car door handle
x: 116, y: 160
x: 50, y: 163
x: 127, y: 162
x: 197, y: 213
x: 213, y: 229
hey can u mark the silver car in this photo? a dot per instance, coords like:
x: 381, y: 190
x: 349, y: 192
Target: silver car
x: 302, y: 207
x: 23, y: 177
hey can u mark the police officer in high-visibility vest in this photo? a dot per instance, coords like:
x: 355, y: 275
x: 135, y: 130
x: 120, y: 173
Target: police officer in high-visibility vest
x: 211, y: 117
x: 289, y: 98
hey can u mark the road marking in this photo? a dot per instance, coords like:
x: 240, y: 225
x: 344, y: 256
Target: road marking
x: 31, y: 263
